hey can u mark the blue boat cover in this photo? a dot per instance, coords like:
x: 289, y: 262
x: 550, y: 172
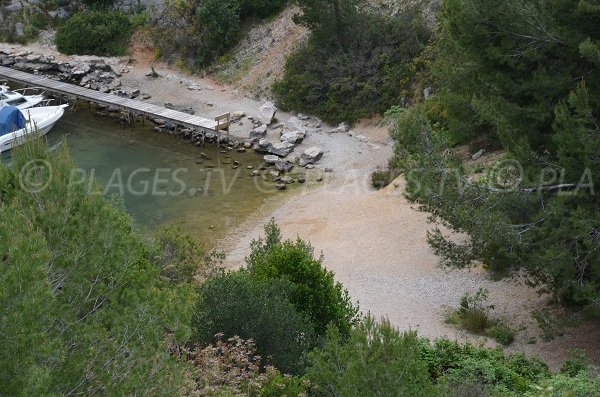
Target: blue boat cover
x: 11, y: 120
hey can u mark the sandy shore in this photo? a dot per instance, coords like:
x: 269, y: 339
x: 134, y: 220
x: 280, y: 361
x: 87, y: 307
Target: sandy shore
x: 374, y: 241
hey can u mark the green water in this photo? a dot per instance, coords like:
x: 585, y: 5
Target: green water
x: 159, y: 177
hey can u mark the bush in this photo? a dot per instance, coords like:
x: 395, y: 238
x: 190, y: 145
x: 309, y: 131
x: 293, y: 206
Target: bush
x: 377, y: 361
x: 315, y: 291
x: 233, y: 368
x: 503, y: 334
x: 94, y: 32
x: 84, y: 308
x: 382, y: 178
x: 452, y: 364
x: 261, y: 8
x: 360, y: 72
x: 238, y: 304
x: 181, y: 258
x: 199, y: 32
x: 473, y: 311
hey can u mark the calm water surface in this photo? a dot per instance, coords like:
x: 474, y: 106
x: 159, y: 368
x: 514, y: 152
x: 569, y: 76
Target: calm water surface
x: 161, y: 178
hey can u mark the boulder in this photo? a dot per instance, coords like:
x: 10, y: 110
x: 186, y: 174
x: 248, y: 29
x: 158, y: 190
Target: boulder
x: 258, y: 132
x: 263, y: 146
x: 281, y: 149
x: 311, y: 156
x: 342, y: 127
x: 267, y: 113
x: 294, y: 137
x: 478, y: 155
x: 271, y: 159
x: 295, y: 124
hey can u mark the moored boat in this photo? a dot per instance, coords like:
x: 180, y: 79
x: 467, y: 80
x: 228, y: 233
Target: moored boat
x: 17, y: 125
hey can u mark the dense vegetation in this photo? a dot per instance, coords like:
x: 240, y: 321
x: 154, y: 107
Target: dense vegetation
x: 84, y: 308
x: 94, y: 32
x: 90, y: 306
x: 357, y: 62
x: 195, y: 33
x: 522, y: 78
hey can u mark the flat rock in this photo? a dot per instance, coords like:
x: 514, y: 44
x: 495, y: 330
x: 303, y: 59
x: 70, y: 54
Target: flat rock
x: 311, y: 156
x: 281, y: 149
x: 271, y: 159
x: 294, y: 137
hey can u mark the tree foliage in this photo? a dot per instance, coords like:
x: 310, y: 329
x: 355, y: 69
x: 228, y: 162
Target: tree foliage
x: 237, y: 304
x: 94, y: 32
x: 315, y: 291
x: 196, y: 32
x: 356, y: 62
x: 521, y: 77
x: 84, y: 308
x: 377, y: 360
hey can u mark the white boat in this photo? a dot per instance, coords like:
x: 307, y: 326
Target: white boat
x: 20, y: 98
x: 17, y: 125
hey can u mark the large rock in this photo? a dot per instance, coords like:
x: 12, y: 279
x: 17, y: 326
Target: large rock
x: 271, y: 159
x: 342, y: 127
x: 282, y: 149
x: 259, y: 132
x: 294, y: 137
x: 263, y: 146
x: 311, y: 156
x: 295, y: 124
x: 266, y: 113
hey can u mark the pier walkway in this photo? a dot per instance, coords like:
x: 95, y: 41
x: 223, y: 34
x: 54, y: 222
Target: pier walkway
x: 131, y: 106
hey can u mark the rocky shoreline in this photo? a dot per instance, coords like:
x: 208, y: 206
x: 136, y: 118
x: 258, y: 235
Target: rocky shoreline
x: 102, y: 76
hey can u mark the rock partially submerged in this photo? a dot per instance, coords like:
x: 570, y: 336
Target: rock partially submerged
x: 271, y: 159
x: 283, y: 165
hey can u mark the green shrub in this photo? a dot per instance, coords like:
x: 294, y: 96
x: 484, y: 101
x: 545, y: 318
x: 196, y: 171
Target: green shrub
x: 377, y: 360
x: 94, y: 32
x: 84, y: 307
x: 315, y: 291
x: 99, y: 4
x: 218, y: 28
x: 503, y: 334
x: 238, y: 304
x: 576, y: 363
x: 581, y: 385
x: 344, y: 76
x: 261, y: 8
x: 382, y: 178
x: 182, y: 258
x: 473, y: 311
x: 451, y: 364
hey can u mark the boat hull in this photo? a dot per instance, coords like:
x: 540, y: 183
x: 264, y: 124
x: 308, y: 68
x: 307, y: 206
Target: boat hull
x: 39, y: 122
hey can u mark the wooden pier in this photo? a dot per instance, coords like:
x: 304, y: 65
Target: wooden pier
x: 130, y: 106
